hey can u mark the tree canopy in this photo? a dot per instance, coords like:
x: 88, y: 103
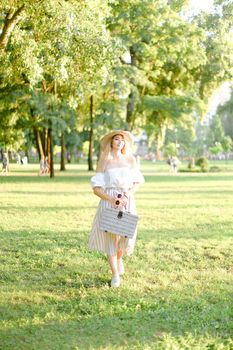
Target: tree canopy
x: 72, y: 69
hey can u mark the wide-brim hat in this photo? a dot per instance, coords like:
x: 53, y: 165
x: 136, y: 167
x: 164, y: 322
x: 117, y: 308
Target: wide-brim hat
x: 128, y: 137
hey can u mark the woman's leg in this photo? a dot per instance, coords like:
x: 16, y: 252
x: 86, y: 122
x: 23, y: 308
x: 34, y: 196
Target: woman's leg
x: 113, y: 264
x: 115, y: 282
x: 119, y: 254
x: 120, y: 265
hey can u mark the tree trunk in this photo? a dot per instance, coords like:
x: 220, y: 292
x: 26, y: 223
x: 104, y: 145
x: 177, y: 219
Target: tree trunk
x: 160, y: 137
x: 10, y: 22
x: 50, y: 152
x: 62, y: 167
x: 38, y: 143
x: 90, y: 152
x: 27, y: 155
x: 158, y: 155
x: 45, y: 141
x: 130, y: 111
x: 131, y: 105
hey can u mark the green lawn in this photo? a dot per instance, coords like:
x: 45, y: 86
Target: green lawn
x: 178, y: 289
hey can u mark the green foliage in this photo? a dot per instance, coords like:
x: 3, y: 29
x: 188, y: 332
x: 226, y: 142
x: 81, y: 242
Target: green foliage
x: 215, y: 169
x: 170, y: 107
x: 216, y: 149
x: 216, y: 132
x: 218, y: 48
x: 59, y: 53
x: 226, y: 114
x: 227, y: 144
x: 202, y: 163
x: 62, y: 52
x: 170, y: 150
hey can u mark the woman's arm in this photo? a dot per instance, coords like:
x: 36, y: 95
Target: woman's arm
x: 98, y: 191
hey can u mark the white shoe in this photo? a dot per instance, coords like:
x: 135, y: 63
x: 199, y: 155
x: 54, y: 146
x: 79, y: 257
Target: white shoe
x: 120, y: 267
x: 115, y: 282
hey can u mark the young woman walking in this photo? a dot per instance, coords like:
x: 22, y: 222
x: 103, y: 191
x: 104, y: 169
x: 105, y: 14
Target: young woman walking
x: 117, y: 178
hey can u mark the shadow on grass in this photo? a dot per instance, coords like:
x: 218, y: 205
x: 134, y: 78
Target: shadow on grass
x: 58, y: 304
x: 80, y: 177
x: 38, y: 179
x: 189, y: 178
x: 38, y: 209
x: 120, y: 322
x: 51, y: 193
x: 215, y: 230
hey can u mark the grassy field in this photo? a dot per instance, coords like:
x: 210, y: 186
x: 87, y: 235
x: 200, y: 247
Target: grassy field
x: 178, y: 289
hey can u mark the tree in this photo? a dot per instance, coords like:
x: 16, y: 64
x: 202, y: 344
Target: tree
x: 216, y: 133
x: 227, y: 145
x: 11, y: 18
x: 183, y: 135
x: 218, y: 46
x: 164, y: 50
x: 226, y: 114
x: 58, y: 50
x: 171, y: 56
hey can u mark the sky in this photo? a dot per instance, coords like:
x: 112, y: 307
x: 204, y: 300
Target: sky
x: 219, y: 97
x: 204, y: 5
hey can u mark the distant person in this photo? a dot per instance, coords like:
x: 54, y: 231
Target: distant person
x: 174, y: 163
x: 24, y: 160
x: 44, y: 166
x: 169, y: 163
x: 41, y: 172
x: 5, y: 164
x: 68, y: 157
x: 18, y: 159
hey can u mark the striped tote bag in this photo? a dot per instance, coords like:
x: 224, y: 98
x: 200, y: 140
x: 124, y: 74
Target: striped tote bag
x: 118, y: 222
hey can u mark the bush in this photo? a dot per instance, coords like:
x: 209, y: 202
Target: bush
x: 191, y: 163
x: 188, y: 170
x: 203, y: 164
x: 215, y: 169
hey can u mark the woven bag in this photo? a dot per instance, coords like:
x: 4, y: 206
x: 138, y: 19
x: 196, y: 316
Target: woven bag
x: 118, y: 222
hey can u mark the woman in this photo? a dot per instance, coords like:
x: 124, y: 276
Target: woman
x: 116, y: 174
x: 5, y: 164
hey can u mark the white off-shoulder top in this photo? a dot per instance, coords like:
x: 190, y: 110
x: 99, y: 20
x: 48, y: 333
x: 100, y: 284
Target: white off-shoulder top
x: 121, y: 177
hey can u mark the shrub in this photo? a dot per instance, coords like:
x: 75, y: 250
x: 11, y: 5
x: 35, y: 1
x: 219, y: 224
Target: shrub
x: 215, y: 169
x: 203, y: 163
x: 188, y: 170
x: 191, y: 163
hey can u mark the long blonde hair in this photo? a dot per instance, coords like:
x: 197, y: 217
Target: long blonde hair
x: 106, y: 154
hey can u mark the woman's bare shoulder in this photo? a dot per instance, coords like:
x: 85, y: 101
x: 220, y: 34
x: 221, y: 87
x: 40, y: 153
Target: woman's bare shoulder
x: 131, y: 161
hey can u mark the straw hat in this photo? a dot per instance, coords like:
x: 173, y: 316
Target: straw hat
x: 128, y: 137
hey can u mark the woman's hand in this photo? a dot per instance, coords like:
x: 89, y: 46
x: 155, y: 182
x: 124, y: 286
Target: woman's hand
x: 124, y: 201
x: 113, y: 200
x: 121, y: 201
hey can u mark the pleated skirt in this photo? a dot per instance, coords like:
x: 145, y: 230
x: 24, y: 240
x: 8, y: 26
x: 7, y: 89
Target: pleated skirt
x: 107, y: 242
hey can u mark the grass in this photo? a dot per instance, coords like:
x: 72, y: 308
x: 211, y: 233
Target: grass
x: 177, y: 292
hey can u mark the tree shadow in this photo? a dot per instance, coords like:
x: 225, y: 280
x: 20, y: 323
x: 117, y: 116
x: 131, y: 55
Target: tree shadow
x: 38, y: 210
x: 71, y: 307
x: 79, y: 178
x: 124, y: 323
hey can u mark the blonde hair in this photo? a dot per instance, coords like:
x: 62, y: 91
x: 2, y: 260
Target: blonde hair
x: 106, y: 154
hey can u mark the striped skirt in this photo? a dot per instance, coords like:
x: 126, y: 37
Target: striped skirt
x: 107, y: 242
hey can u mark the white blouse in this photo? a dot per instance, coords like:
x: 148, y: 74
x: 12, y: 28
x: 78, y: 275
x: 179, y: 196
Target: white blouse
x: 121, y: 177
